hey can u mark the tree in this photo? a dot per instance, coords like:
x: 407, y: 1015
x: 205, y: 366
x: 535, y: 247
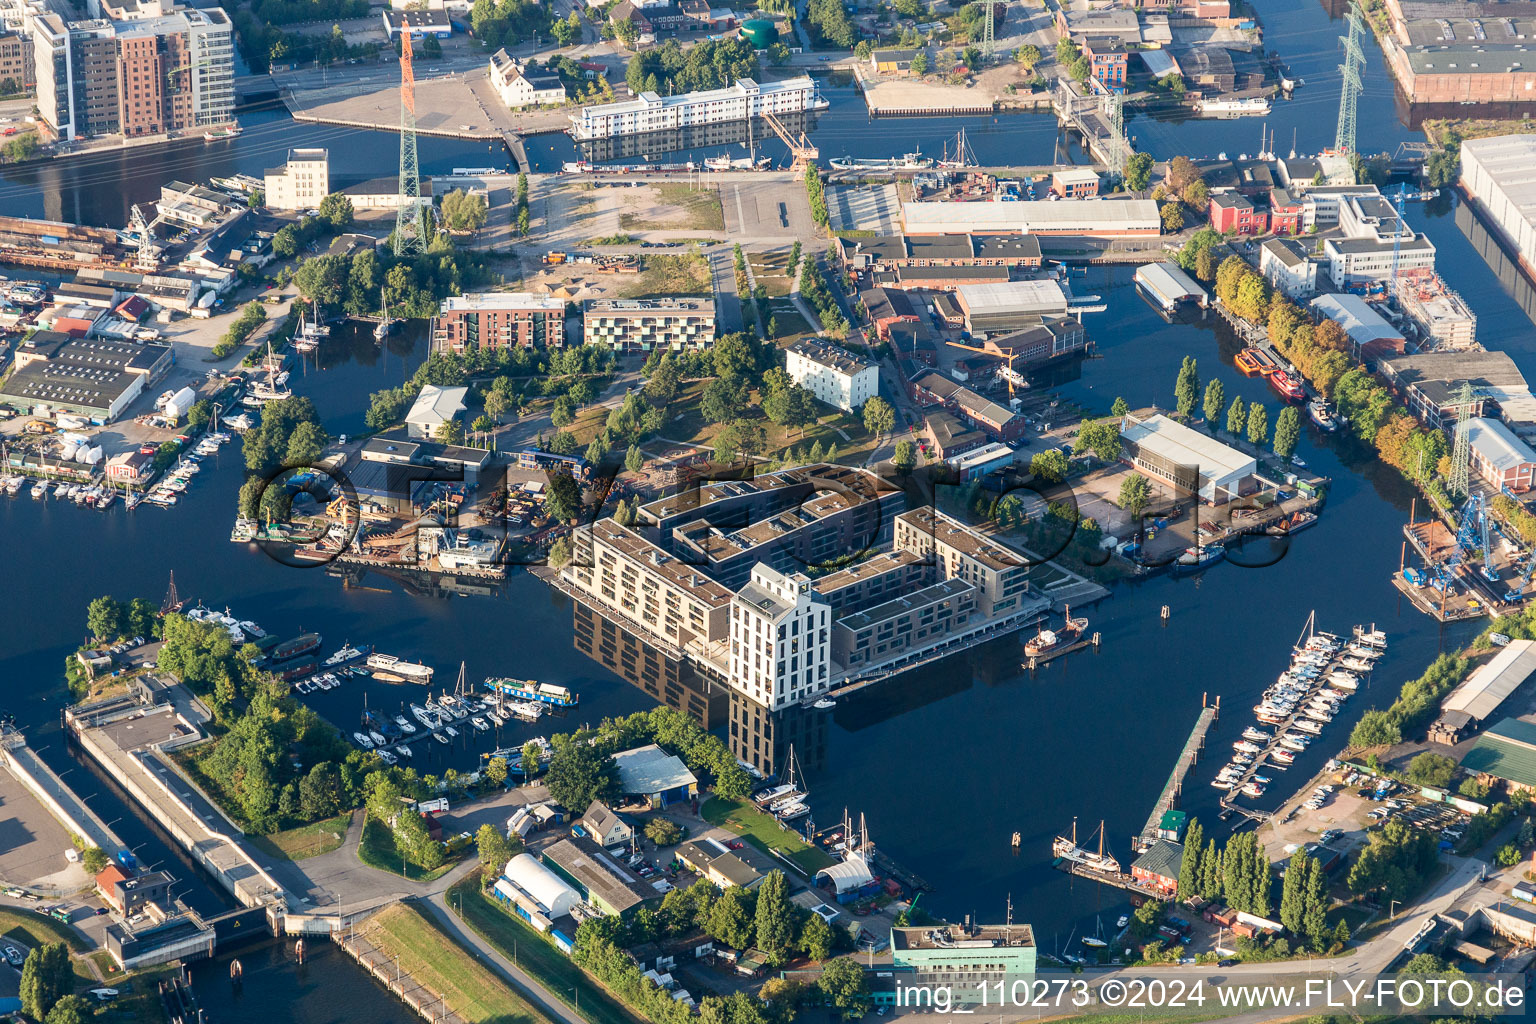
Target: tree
x: 320, y: 791
x: 905, y: 456
x: 775, y: 917
x: 94, y: 860
x: 1375, y: 729
x: 1237, y: 416
x: 816, y: 938
x: 45, y: 978
x: 919, y: 63
x: 495, y: 849
x: 663, y: 832
x: 104, y: 618
x: 724, y: 399
x: 1258, y: 424
x: 1135, y: 494
x: 562, y: 500
x: 1173, y: 217
x: 496, y: 771
x: 879, y: 417
x: 563, y: 414
x: 1066, y: 51
x: 731, y: 918
x: 1186, y: 388
x: 71, y: 1009
x: 530, y: 757
x: 336, y: 210
x: 842, y: 981
x: 634, y: 459
x: 1215, y: 400
x: 1287, y: 431
x: 597, y: 450
x: 579, y: 774
x: 465, y: 211
x: 305, y: 445
x: 1138, y: 171
x: 1189, y: 866
x: 1430, y: 769
x: 1027, y: 55
x: 1050, y: 465
x: 450, y: 431
x: 1119, y: 409
x: 627, y: 32
x: 1101, y: 437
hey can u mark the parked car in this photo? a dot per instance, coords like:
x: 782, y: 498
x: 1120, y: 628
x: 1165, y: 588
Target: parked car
x: 13, y: 956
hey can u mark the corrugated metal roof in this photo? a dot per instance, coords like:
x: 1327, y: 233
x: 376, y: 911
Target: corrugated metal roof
x: 1164, y: 858
x: 1481, y: 693
x: 1185, y: 447
x: 1494, y: 442
x: 1506, y: 751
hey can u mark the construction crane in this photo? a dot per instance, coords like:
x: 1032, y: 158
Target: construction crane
x: 800, y: 146
x: 1397, y: 244
x: 1006, y: 371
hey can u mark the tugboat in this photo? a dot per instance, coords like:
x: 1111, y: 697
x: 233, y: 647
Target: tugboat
x: 1321, y: 416
x: 1287, y: 386
x: 1048, y: 640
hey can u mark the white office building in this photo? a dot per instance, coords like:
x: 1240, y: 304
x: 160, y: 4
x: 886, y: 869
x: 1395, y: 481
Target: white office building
x: 831, y: 373
x: 1288, y: 267
x: 652, y: 113
x: 518, y: 86
x: 781, y: 649
x: 301, y: 182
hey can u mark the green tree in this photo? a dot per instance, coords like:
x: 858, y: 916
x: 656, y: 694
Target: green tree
x: 562, y: 500
x: 71, y: 1009
x: 1215, y: 400
x: 496, y: 771
x: 336, y: 210
x: 1119, y: 409
x: 46, y: 977
x: 1027, y: 55
x: 1101, y: 437
x: 919, y: 63
x: 1050, y: 465
x: 663, y: 832
x: 320, y: 791
x: 775, y: 918
x: 1189, y: 866
x: 1287, y: 431
x: 1172, y: 215
x: 879, y: 417
x: 1375, y: 729
x: 579, y: 774
x: 529, y: 759
x: 1138, y: 171
x: 634, y: 459
x: 1066, y: 51
x: 1080, y: 69
x: 494, y: 850
x: 104, y: 618
x: 843, y: 983
x: 305, y: 445
x: 1429, y: 769
x: 731, y: 918
x: 816, y: 939
x: 1237, y: 416
x: 1258, y: 424
x: 905, y: 456
x: 1135, y: 494
x: 1186, y: 388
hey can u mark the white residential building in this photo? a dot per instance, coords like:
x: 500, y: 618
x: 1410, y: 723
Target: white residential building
x: 301, y: 182
x: 1288, y: 267
x: 433, y: 407
x: 781, y: 648
x: 520, y: 87
x: 831, y: 373
x: 651, y: 113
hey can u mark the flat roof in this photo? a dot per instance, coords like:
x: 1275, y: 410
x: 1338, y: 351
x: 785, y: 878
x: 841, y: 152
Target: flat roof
x: 886, y: 561
x: 742, y: 87
x: 1287, y: 250
x: 1506, y: 750
x: 477, y: 301
x: 934, y: 593
x: 1358, y: 318
x: 943, y: 217
x: 981, y: 456
x: 958, y: 937
x: 1014, y: 296
x: 686, y: 577
x: 1185, y: 447
x: 1481, y: 693
x: 1075, y: 174
x: 947, y: 530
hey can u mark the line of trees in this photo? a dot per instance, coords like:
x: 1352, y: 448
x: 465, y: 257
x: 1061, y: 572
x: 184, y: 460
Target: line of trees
x: 1415, y: 702
x: 1304, y: 904
x: 1238, y: 874
x: 713, y: 64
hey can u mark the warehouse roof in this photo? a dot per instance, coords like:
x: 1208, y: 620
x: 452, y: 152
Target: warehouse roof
x: 649, y: 769
x: 1186, y: 447
x: 1506, y: 751
x: 1481, y: 693
x: 597, y: 872
x: 1358, y: 318
x: 1013, y: 296
x: 1163, y: 859
x: 1066, y: 215
x: 1494, y: 442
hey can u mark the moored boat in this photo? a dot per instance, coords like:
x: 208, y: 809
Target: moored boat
x: 529, y: 689
x: 389, y: 667
x: 1320, y: 415
x: 1255, y: 362
x: 1287, y: 386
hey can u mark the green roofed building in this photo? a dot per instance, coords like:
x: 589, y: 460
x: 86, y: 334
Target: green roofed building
x: 1505, y: 752
x: 959, y: 953
x: 1172, y: 825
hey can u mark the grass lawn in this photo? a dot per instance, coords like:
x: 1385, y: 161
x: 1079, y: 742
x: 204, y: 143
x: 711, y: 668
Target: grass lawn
x: 534, y: 953
x: 471, y: 989
x: 306, y: 840
x: 787, y: 321
x: 142, y: 1005
x: 32, y: 929
x: 769, y: 269
x: 679, y: 207
x: 668, y: 275
x: 378, y: 850
x: 763, y: 829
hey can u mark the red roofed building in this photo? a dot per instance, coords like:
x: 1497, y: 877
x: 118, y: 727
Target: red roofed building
x: 107, y: 884
x: 133, y: 307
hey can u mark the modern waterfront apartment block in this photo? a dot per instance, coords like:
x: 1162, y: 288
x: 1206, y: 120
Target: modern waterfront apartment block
x: 781, y: 639
x: 500, y: 320
x: 644, y: 325
x: 652, y: 113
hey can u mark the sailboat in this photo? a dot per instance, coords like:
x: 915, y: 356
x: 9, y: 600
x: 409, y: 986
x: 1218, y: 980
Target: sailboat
x: 961, y: 158
x: 259, y: 392
x: 382, y: 328
x: 1097, y: 940
x: 1067, y: 849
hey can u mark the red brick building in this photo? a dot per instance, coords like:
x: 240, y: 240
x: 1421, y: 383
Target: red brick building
x: 501, y: 320
x: 1236, y: 213
x: 1159, y: 866
x: 1108, y: 65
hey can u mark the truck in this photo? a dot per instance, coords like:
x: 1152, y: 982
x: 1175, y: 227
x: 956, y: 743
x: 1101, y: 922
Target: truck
x: 553, y: 259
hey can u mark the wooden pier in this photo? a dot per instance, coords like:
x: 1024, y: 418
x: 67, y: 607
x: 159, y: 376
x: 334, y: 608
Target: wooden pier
x: 387, y: 970
x: 1119, y: 879
x: 1174, y: 787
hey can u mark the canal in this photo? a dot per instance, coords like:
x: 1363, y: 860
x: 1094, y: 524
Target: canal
x: 946, y: 762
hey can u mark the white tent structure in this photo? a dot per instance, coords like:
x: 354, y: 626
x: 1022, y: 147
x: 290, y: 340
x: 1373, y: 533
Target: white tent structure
x: 538, y: 893
x: 851, y: 874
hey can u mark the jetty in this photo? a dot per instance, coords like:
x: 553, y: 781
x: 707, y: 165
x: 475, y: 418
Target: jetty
x: 1174, y: 787
x: 388, y: 970
x: 1119, y: 879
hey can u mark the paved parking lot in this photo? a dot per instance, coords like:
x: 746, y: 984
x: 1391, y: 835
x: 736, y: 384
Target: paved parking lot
x: 762, y: 209
x: 32, y: 842
x: 874, y: 208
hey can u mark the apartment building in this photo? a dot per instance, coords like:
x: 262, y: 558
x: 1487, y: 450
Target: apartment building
x: 519, y: 86
x: 652, y: 113
x: 909, y: 622
x: 832, y: 373
x: 300, y: 183
x: 1288, y: 267
x: 500, y: 320
x: 1001, y: 577
x: 781, y: 647
x: 671, y: 601
x: 145, y: 76
x: 16, y: 66
x: 643, y: 325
